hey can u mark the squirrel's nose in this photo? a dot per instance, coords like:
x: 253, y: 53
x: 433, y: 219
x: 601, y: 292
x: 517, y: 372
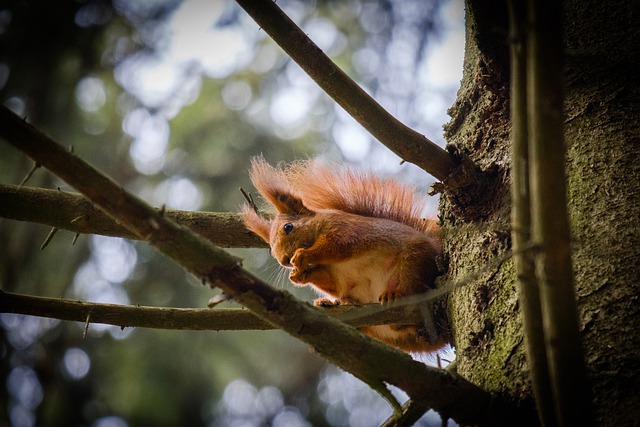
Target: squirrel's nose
x: 285, y: 261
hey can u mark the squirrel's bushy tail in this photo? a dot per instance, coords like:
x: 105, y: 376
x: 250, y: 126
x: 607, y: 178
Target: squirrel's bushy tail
x: 335, y: 187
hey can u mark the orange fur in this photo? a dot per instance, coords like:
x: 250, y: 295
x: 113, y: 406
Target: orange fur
x: 354, y: 237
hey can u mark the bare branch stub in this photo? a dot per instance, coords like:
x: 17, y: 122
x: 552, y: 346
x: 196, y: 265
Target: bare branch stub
x: 468, y: 188
x: 52, y: 233
x: 249, y: 198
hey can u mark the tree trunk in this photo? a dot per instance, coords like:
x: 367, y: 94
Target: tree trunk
x: 602, y: 134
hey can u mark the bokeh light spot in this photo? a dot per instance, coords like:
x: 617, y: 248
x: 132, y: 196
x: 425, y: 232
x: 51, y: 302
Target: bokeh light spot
x: 76, y: 363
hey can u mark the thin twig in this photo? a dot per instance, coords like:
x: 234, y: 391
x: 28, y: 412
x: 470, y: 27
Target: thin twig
x: 52, y: 233
x: 411, y: 412
x: 249, y: 198
x: 86, y: 326
x: 29, y: 174
x: 196, y: 319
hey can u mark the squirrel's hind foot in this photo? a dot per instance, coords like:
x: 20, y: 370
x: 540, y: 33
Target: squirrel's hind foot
x: 325, y: 302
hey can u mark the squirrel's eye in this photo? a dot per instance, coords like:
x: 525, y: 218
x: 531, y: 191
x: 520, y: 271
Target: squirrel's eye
x: 288, y: 227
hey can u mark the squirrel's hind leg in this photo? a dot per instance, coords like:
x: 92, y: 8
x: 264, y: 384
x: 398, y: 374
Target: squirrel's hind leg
x: 417, y: 271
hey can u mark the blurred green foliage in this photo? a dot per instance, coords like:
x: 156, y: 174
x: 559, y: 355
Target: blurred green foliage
x: 177, y: 130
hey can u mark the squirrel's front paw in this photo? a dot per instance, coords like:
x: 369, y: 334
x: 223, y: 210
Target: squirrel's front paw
x: 299, y: 260
x: 298, y: 277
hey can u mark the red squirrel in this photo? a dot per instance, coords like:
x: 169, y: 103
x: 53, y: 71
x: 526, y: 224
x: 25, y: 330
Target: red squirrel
x: 354, y: 237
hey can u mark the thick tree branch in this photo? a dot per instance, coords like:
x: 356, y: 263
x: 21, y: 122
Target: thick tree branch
x: 369, y: 360
x: 399, y: 138
x: 195, y: 319
x: 69, y: 211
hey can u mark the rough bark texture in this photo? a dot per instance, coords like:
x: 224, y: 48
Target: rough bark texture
x: 603, y: 137
x: 484, y: 314
x: 602, y: 134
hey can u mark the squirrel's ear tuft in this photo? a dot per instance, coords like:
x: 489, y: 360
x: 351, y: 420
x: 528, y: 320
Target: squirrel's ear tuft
x: 273, y: 184
x: 256, y: 223
x: 288, y: 204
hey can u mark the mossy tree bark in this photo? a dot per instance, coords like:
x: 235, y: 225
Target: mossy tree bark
x: 603, y: 141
